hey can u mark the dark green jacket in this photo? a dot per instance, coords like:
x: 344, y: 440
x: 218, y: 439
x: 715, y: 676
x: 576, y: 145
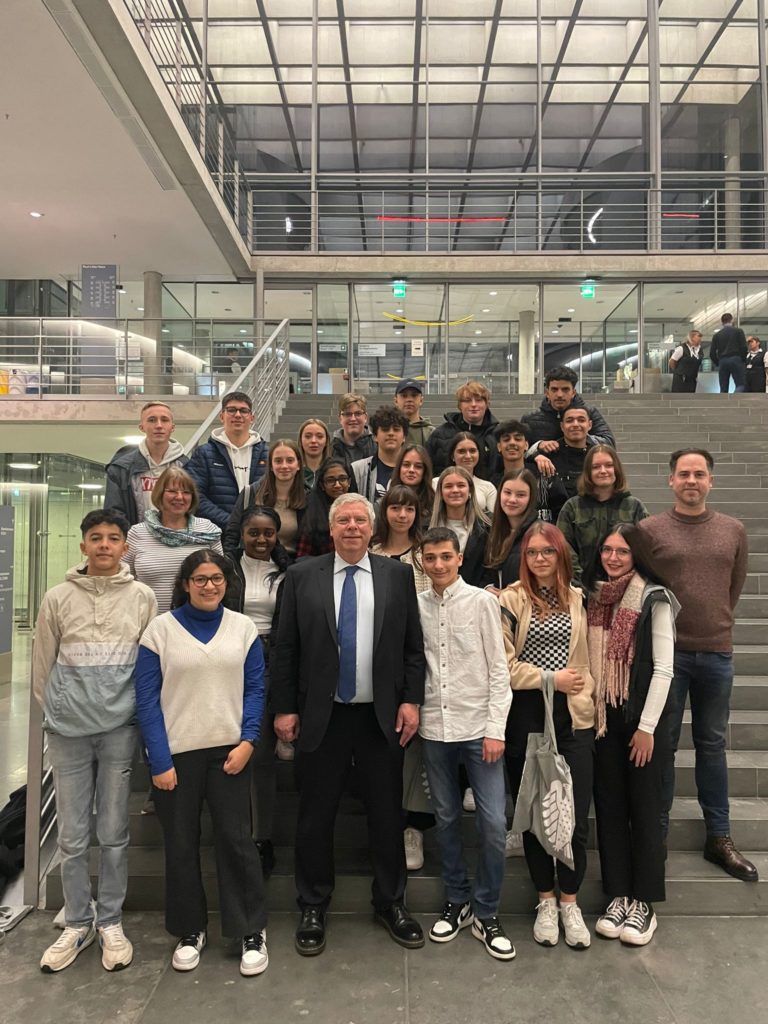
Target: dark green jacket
x: 586, y: 522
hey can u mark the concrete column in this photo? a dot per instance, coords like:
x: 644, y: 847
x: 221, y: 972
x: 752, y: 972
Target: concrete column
x: 732, y: 195
x: 258, y: 308
x: 526, y: 353
x: 156, y: 380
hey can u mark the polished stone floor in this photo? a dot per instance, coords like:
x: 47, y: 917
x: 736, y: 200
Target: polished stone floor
x: 696, y: 971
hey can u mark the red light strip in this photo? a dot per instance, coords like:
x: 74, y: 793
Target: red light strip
x: 681, y: 216
x: 443, y: 220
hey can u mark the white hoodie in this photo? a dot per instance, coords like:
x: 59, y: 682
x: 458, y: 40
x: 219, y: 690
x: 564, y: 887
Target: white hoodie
x: 143, y: 482
x: 241, y: 457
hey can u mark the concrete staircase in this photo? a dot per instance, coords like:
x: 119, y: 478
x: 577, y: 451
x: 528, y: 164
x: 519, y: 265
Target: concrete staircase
x: 647, y: 428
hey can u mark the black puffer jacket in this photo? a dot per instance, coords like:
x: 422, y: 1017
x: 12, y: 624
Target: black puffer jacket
x: 544, y: 424
x: 440, y: 440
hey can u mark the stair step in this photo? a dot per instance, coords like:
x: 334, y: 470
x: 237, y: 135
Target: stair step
x: 747, y: 773
x: 747, y: 730
x: 694, y: 886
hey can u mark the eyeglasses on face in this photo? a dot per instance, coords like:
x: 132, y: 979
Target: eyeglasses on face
x: 202, y: 581
x: 353, y: 415
x: 619, y: 552
x: 533, y: 553
x: 237, y: 410
x: 335, y: 481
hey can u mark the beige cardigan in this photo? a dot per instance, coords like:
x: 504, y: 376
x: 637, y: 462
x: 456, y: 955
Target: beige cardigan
x: 516, y: 609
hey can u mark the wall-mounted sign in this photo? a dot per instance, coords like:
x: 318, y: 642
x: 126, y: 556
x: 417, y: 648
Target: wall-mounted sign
x: 332, y: 346
x: 99, y: 290
x: 417, y: 346
x: 371, y: 351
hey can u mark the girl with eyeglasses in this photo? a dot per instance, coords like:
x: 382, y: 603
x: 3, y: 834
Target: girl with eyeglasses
x: 413, y: 469
x: 333, y: 479
x: 315, y: 445
x: 545, y: 633
x: 630, y: 630
x: 199, y: 703
x: 282, y: 488
x: 603, y: 501
x: 170, y: 531
x: 261, y: 570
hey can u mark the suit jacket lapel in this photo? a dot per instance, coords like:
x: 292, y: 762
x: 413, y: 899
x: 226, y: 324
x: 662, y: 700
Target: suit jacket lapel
x: 380, y: 588
x: 326, y: 590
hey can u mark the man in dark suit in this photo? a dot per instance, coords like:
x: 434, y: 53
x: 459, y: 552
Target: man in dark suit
x: 347, y: 679
x: 728, y: 353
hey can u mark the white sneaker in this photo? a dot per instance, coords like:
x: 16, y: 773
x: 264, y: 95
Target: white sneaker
x: 67, y: 948
x: 468, y: 803
x: 284, y: 750
x: 186, y: 956
x: 576, y: 932
x: 546, y: 928
x: 116, y: 950
x: 611, y: 924
x: 640, y: 926
x: 254, y: 958
x: 413, y: 841
x: 454, y: 917
x: 513, y: 844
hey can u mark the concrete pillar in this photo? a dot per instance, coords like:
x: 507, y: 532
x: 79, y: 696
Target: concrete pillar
x: 156, y: 380
x: 732, y: 195
x: 258, y: 308
x: 526, y: 353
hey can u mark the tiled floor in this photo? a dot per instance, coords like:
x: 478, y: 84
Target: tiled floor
x: 696, y: 971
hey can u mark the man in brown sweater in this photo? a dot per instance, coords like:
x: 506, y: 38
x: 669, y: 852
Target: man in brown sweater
x: 702, y: 556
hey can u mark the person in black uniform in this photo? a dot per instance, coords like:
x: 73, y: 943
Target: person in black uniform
x: 755, y: 366
x: 685, y: 363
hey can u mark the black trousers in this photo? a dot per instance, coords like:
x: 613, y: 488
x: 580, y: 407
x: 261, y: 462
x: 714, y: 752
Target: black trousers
x: 263, y: 771
x: 628, y: 804
x: 238, y: 868
x: 577, y: 747
x: 354, y: 738
x: 683, y: 385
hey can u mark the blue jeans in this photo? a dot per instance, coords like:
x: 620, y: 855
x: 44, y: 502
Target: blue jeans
x: 731, y: 366
x: 487, y: 782
x: 706, y: 677
x: 85, y: 767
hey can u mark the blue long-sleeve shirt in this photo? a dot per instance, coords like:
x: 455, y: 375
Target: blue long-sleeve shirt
x: 203, y: 625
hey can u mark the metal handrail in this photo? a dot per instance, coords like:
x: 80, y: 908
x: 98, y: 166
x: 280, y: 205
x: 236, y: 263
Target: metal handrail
x: 269, y: 362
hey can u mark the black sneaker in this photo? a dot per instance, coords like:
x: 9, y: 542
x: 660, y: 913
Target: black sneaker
x: 611, y: 924
x: 454, y: 917
x: 640, y: 925
x: 490, y: 932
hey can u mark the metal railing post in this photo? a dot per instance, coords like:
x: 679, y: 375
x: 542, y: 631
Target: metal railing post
x: 716, y: 215
x: 249, y: 219
x: 581, y: 220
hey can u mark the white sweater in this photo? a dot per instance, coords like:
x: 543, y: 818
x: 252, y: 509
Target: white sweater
x: 202, y: 694
x: 156, y: 564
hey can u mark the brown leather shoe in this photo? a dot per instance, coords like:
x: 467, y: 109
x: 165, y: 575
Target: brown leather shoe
x: 721, y: 851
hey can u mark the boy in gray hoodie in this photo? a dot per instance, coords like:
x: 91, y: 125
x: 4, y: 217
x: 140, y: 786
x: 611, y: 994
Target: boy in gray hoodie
x: 83, y: 660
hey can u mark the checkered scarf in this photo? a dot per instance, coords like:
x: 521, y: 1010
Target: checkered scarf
x: 612, y: 616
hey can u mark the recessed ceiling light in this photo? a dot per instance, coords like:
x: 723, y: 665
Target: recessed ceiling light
x: 140, y: 309
x: 22, y: 465
x: 243, y: 330
x: 478, y: 332
x: 134, y: 438
x: 398, y: 311
x: 555, y: 332
x: 35, y: 214
x: 165, y: 330
x: 493, y: 293
x: 91, y: 487
x: 571, y: 309
x: 320, y: 331
x: 633, y: 332
x: 486, y: 310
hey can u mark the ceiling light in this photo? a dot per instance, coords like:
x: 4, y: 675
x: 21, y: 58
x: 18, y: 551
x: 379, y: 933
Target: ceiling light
x: 243, y: 330
x: 555, y: 332
x: 134, y: 438
x: 493, y: 293
x: 165, y: 330
x: 91, y: 487
x: 320, y: 331
x: 22, y: 465
x: 571, y: 309
x: 35, y: 214
x: 633, y: 332
x: 399, y: 310
x: 140, y: 309
x: 486, y: 311
x: 478, y: 332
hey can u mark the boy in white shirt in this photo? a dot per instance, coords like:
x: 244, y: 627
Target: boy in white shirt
x: 463, y: 718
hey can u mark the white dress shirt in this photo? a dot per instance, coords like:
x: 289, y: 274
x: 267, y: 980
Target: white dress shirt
x: 468, y: 693
x: 364, y: 586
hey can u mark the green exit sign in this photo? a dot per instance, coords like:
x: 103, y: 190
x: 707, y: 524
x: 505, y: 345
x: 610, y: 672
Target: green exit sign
x: 588, y: 290
x: 398, y: 289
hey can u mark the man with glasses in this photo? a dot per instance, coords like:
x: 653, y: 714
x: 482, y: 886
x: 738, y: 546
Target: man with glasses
x: 353, y: 440
x: 234, y: 457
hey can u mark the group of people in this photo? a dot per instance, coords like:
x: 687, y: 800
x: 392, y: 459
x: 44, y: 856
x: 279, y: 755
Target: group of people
x: 385, y: 609
x: 734, y: 355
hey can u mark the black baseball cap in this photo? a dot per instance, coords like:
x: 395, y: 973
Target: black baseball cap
x: 417, y: 385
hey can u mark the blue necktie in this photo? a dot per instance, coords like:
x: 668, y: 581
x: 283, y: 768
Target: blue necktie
x: 347, y: 632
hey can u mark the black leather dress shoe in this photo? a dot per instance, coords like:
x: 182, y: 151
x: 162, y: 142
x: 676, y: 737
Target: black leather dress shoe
x: 310, y: 935
x: 403, y: 928
x: 721, y: 851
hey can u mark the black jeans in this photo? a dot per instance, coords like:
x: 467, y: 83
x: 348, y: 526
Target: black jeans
x: 238, y: 868
x: 354, y: 737
x: 628, y: 804
x: 577, y: 747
